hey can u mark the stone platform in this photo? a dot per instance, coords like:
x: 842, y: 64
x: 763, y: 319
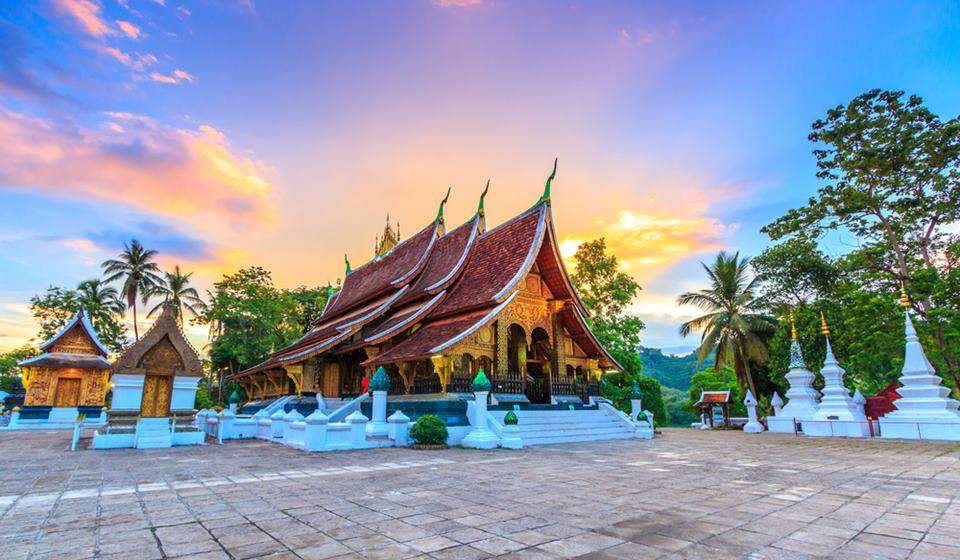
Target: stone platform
x: 686, y: 494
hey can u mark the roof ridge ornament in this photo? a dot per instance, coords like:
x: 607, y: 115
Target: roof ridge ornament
x: 347, y: 262
x: 545, y: 197
x: 442, y: 204
x: 481, y: 211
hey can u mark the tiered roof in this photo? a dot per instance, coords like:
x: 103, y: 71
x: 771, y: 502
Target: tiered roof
x: 448, y: 284
x: 62, y: 350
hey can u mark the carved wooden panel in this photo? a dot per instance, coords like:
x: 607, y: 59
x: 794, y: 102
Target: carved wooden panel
x: 156, y: 396
x: 74, y: 341
x: 162, y: 359
x: 67, y: 392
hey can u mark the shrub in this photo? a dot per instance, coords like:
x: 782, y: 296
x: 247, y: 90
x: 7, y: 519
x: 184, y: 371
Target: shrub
x: 429, y: 430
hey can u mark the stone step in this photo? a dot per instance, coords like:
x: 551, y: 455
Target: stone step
x: 576, y: 437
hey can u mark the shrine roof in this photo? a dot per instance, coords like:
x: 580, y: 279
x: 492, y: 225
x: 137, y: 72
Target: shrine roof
x: 388, y: 272
x: 79, y: 319
x: 166, y: 326
x: 713, y: 397
x: 497, y: 262
x: 57, y: 359
x: 446, y: 261
x: 435, y: 337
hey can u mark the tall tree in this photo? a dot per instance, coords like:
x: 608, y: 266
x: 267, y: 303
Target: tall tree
x: 890, y: 170
x: 175, y: 290
x: 54, y: 308
x: 607, y: 291
x: 735, y: 324
x: 140, y: 276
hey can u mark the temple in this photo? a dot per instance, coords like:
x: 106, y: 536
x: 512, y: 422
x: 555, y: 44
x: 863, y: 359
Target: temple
x: 69, y: 379
x: 439, y: 306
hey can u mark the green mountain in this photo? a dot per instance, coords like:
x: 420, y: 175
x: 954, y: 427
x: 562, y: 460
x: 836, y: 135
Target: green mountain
x: 670, y: 371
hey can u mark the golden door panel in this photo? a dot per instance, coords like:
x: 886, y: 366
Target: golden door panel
x: 156, y: 396
x: 68, y: 393
x: 331, y: 380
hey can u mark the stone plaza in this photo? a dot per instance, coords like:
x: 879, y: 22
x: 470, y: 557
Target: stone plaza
x: 685, y: 494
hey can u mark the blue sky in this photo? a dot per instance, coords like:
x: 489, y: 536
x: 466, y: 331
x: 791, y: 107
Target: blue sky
x: 226, y: 134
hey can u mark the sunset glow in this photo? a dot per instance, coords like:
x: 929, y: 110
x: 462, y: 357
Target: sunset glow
x: 233, y: 134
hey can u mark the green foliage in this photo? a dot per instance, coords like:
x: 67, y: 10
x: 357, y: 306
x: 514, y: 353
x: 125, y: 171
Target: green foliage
x: 249, y: 318
x: 510, y: 419
x: 203, y: 398
x: 890, y: 173
x: 677, y: 405
x: 616, y: 388
x: 735, y: 324
x: 607, y: 291
x: 670, y: 371
x: 723, y: 380
x: 175, y: 290
x: 429, y: 430
x: 54, y: 309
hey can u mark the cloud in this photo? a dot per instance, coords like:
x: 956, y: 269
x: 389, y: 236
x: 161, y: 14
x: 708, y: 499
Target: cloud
x: 85, y: 14
x: 177, y: 77
x: 184, y: 173
x: 16, y: 76
x: 129, y: 29
x: 646, y: 242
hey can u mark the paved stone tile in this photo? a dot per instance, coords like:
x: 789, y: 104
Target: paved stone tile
x: 687, y: 494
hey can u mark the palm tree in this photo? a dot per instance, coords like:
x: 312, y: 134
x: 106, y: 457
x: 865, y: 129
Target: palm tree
x: 176, y: 291
x: 95, y: 295
x: 734, y: 324
x: 139, y: 274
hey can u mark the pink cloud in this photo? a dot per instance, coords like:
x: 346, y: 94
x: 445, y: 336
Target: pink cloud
x: 178, y: 76
x: 189, y: 174
x: 457, y: 3
x: 129, y: 29
x: 86, y: 15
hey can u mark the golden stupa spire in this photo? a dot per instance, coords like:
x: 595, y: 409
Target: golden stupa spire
x: 793, y: 326
x: 824, y: 329
x: 904, y: 298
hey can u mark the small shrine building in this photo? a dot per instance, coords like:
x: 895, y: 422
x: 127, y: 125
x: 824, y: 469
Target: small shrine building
x: 439, y: 306
x: 70, y: 378
x: 154, y: 382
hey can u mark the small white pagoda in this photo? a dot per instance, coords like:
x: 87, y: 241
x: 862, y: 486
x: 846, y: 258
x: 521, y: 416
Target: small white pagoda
x: 838, y: 414
x: 924, y: 410
x: 803, y: 398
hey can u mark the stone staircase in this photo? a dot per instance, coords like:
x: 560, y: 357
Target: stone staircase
x: 153, y: 433
x: 540, y: 427
x: 334, y: 403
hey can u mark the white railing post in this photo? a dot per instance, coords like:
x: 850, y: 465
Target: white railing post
x: 315, y: 438
x: 480, y: 437
x: 379, y: 385
x: 358, y: 428
x: 399, y: 428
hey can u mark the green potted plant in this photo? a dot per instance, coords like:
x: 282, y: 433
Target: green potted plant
x: 429, y: 432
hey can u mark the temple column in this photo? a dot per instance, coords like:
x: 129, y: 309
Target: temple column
x: 295, y: 373
x: 407, y: 372
x: 501, y: 340
x: 443, y: 366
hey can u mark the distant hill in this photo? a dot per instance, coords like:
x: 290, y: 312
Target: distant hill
x: 669, y: 370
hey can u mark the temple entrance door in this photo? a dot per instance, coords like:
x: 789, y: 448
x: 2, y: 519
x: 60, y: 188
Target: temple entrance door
x: 68, y: 393
x: 331, y: 381
x: 156, y: 396
x: 538, y: 385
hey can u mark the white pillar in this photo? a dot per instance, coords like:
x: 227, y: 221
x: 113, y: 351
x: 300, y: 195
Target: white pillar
x: 15, y: 416
x: 291, y: 417
x: 277, y: 421
x: 399, y: 428
x: 379, y: 385
x: 358, y: 428
x: 753, y: 425
x: 777, y: 403
x: 481, y: 437
x: 315, y: 438
x: 227, y: 418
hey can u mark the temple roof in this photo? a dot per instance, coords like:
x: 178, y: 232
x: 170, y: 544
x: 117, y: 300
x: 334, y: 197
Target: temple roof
x: 57, y: 359
x: 447, y: 285
x: 710, y: 398
x: 166, y: 326
x: 81, y: 321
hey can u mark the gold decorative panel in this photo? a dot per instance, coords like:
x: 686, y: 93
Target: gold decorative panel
x: 74, y: 341
x: 162, y: 359
x: 156, y: 396
x: 67, y: 392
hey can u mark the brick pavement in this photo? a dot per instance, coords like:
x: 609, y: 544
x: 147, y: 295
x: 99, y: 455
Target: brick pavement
x: 686, y: 494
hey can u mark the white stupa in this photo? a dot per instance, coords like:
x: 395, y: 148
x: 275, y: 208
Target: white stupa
x: 925, y: 410
x: 803, y: 398
x: 838, y: 414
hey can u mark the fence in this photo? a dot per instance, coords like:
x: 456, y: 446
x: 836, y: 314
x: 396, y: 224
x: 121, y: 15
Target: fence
x: 869, y: 428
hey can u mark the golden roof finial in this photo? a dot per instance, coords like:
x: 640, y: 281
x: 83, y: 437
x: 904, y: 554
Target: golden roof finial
x: 793, y: 326
x: 824, y: 329
x: 904, y: 298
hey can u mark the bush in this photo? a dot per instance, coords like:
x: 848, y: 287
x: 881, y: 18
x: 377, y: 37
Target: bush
x: 429, y: 430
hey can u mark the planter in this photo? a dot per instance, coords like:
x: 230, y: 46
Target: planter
x: 430, y: 446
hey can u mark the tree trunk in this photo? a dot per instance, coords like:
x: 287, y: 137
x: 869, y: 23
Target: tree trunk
x: 136, y: 333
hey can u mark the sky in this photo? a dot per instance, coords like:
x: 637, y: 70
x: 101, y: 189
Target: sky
x: 281, y: 134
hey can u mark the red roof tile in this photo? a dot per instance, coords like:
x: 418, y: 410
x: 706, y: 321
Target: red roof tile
x: 446, y: 261
x: 389, y: 272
